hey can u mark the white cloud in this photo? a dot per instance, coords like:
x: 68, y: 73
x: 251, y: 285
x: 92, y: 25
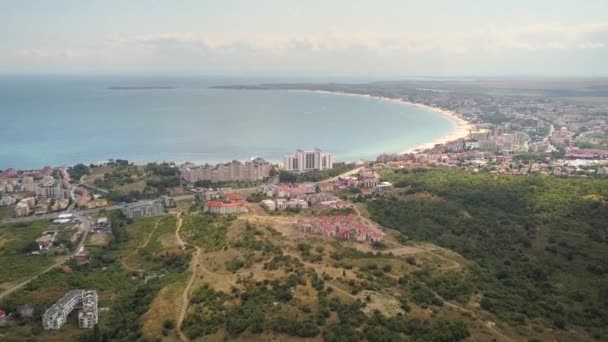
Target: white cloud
x: 397, y: 52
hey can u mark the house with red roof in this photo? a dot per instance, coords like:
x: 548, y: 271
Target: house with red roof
x: 231, y: 203
x: 343, y: 227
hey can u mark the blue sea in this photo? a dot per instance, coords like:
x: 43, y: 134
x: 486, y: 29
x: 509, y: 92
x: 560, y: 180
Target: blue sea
x: 64, y: 120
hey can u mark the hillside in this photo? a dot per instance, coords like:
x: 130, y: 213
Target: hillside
x: 539, y: 244
x: 465, y: 256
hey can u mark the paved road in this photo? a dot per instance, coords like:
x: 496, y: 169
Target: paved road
x: 346, y: 174
x: 85, y: 225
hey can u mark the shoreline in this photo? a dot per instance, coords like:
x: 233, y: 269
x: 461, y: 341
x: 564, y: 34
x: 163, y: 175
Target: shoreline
x: 460, y: 131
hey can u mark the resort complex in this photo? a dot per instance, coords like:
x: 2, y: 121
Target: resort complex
x: 85, y: 301
x: 343, y: 227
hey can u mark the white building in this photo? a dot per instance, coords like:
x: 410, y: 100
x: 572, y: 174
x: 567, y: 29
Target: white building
x: 85, y: 300
x: 304, y: 161
x: 143, y: 209
x: 50, y: 189
x: 283, y: 204
x: 268, y: 204
x: 7, y: 200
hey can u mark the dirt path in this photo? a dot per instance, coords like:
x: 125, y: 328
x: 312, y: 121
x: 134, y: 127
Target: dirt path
x: 493, y: 329
x: 149, y: 236
x: 186, y: 294
x: 179, y: 226
x: 143, y: 245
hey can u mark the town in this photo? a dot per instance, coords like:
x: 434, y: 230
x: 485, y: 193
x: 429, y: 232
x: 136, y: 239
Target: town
x: 316, y: 194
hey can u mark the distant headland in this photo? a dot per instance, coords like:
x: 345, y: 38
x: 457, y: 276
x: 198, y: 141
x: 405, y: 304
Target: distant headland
x: 140, y: 87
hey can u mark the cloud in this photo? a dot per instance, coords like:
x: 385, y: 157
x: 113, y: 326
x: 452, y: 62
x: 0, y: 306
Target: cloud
x: 347, y: 52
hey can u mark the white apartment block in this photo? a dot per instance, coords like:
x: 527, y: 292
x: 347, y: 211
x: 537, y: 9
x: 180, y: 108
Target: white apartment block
x: 84, y: 300
x: 50, y: 190
x: 304, y: 161
x: 256, y: 169
x: 143, y: 209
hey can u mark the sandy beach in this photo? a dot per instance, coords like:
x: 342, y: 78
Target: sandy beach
x: 462, y: 126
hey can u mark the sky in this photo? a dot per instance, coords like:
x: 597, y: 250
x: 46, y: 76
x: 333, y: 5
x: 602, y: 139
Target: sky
x: 359, y: 38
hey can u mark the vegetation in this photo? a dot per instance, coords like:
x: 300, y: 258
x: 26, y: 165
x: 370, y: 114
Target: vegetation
x: 16, y: 241
x: 128, y: 183
x: 120, y: 175
x: 126, y: 292
x: 538, y: 242
x: 316, y: 175
x: 78, y: 171
x: 207, y: 231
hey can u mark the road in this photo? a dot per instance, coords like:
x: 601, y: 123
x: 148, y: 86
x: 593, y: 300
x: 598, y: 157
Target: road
x: 85, y: 225
x: 53, y: 216
x: 346, y: 174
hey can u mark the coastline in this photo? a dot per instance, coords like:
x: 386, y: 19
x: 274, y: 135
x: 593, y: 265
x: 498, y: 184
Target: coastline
x: 461, y: 130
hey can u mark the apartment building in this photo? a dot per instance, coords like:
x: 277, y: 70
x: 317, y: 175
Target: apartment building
x: 303, y: 161
x: 143, y: 209
x: 50, y: 189
x: 225, y: 204
x: 84, y: 300
x: 254, y: 170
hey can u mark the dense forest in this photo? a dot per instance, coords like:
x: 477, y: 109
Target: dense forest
x: 539, y: 244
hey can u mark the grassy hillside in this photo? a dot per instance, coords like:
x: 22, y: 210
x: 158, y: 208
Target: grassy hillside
x: 540, y: 244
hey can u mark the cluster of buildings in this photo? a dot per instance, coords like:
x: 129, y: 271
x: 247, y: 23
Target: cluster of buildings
x: 253, y: 170
x: 303, y: 161
x: 34, y: 192
x: 85, y: 301
x: 366, y: 180
x: 223, y: 201
x: 575, y: 162
x: 486, y: 138
x: 294, y: 190
x: 343, y: 227
x: 296, y: 196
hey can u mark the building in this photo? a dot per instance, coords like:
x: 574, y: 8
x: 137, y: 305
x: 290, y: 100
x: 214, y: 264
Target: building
x: 167, y: 201
x: 268, y: 204
x: 320, y: 197
x: 143, y: 209
x: 45, y: 241
x: 254, y: 170
x: 25, y: 207
x: 7, y: 200
x: 50, y: 189
x: 284, y: 204
x: 102, y: 226
x: 344, y: 227
x: 84, y: 300
x: 27, y: 184
x: 383, y: 187
x: 304, y: 161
